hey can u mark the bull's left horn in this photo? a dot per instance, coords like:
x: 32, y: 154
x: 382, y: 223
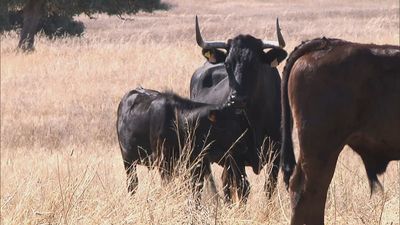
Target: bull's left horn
x: 207, y: 44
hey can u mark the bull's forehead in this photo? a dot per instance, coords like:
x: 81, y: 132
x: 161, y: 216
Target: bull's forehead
x: 241, y: 55
x: 244, y: 48
x: 246, y: 42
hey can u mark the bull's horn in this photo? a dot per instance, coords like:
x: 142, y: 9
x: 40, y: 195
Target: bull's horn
x: 273, y: 44
x: 207, y: 44
x: 281, y: 41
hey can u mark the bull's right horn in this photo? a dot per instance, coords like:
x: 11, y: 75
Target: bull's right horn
x: 273, y: 44
x: 208, y: 44
x: 281, y: 41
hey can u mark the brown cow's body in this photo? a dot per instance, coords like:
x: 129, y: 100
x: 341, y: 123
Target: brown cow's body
x: 338, y: 93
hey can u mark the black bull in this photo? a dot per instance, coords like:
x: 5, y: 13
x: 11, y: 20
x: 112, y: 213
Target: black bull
x: 338, y: 93
x: 153, y: 128
x: 245, y: 76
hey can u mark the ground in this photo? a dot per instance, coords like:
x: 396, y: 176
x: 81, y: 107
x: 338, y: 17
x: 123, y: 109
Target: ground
x: 60, y: 161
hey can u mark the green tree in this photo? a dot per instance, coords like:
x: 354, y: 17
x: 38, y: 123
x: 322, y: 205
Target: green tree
x: 57, y: 15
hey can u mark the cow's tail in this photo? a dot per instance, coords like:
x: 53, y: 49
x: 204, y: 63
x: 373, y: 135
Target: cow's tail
x: 288, y: 161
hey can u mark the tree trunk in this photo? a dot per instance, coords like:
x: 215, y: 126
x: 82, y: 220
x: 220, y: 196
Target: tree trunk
x: 33, y: 11
x: 4, y: 22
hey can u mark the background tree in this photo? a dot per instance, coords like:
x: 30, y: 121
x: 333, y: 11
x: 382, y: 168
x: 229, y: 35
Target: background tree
x: 55, y: 17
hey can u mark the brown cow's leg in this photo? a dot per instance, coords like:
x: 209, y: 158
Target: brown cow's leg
x: 310, y: 183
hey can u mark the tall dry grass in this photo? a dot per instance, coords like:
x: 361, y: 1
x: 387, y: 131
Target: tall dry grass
x: 60, y: 162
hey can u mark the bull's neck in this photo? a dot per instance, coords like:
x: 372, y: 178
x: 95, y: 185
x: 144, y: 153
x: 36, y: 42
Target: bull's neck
x: 257, y: 108
x: 253, y: 112
x: 255, y: 100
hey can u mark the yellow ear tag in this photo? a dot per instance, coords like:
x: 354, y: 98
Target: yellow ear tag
x: 207, y: 55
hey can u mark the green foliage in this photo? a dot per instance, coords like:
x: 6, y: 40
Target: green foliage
x: 66, y: 9
x: 75, y: 7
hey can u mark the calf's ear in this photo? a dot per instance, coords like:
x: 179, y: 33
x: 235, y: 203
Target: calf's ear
x: 214, y: 55
x: 274, y: 56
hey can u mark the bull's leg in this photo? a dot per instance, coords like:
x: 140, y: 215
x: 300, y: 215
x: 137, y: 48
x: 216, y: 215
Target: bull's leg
x: 132, y: 179
x: 227, y: 180
x: 234, y: 178
x: 243, y: 183
x: 310, y: 182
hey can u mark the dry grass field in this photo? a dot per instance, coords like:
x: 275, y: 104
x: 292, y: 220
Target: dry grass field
x: 60, y: 161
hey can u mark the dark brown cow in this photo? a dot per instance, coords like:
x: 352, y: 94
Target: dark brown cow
x: 338, y: 93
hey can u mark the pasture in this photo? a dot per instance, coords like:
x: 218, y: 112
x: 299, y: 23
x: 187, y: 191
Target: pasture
x: 60, y: 159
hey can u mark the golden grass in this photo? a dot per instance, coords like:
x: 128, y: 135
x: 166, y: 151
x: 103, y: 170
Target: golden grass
x: 60, y: 161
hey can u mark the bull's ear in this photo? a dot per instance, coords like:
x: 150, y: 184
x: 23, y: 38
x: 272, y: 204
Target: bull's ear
x: 274, y: 56
x: 214, y: 55
x: 212, y: 116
